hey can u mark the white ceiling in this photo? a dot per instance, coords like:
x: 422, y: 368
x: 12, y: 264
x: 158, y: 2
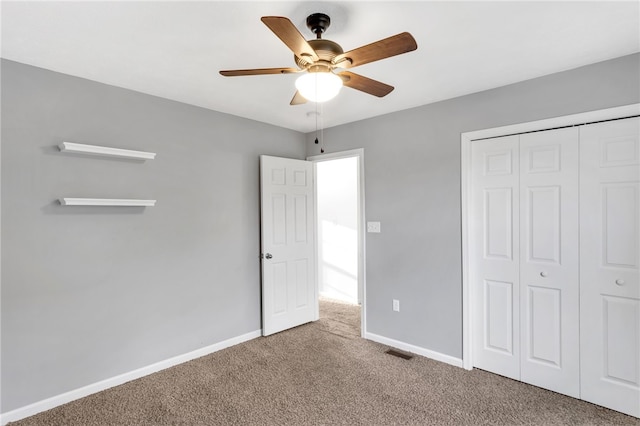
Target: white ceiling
x: 175, y: 49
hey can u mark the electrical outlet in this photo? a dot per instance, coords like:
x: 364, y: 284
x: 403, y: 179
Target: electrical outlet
x: 396, y: 305
x: 373, y: 227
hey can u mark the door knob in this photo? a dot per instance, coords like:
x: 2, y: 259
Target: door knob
x: 268, y: 256
x: 543, y: 274
x: 620, y: 282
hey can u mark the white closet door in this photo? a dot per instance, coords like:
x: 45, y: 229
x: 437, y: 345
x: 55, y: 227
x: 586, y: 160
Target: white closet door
x: 610, y: 257
x: 495, y: 255
x: 549, y: 283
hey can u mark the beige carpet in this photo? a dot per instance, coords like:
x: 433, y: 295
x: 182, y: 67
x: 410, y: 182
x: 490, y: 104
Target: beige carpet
x: 324, y: 374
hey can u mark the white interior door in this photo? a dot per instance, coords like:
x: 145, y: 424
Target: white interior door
x: 549, y: 266
x: 610, y: 258
x: 288, y: 248
x: 494, y: 260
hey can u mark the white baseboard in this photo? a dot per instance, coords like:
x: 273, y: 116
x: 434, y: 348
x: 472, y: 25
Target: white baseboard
x: 457, y: 362
x: 55, y: 401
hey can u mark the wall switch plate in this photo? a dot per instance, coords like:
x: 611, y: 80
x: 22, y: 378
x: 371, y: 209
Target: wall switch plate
x: 396, y: 305
x: 373, y: 226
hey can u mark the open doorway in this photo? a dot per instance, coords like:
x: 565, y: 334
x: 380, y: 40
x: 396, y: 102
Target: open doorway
x: 337, y: 224
x: 339, y: 221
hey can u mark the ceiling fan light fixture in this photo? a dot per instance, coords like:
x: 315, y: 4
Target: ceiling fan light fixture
x: 319, y: 86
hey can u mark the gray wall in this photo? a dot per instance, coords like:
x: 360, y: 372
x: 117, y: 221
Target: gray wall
x: 92, y: 292
x: 412, y: 178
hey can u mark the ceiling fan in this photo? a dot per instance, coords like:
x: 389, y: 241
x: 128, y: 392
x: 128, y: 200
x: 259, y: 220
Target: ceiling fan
x: 324, y: 62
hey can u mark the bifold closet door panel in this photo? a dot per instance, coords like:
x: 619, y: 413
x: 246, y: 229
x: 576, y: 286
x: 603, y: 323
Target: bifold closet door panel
x: 609, y: 264
x: 549, y: 264
x: 495, y: 255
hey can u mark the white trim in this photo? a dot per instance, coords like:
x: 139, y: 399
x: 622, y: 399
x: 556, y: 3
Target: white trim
x: 465, y: 162
x: 0, y: 237
x: 362, y: 280
x: 437, y: 356
x: 106, y: 202
x: 337, y: 155
x: 467, y: 310
x: 55, y: 401
x: 550, y: 123
x: 316, y: 271
x: 80, y: 148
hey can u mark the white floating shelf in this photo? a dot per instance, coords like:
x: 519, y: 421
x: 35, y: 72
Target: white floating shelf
x: 81, y: 148
x: 106, y: 202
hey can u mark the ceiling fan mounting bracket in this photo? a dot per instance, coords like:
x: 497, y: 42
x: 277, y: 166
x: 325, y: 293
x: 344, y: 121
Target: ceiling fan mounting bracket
x: 318, y: 23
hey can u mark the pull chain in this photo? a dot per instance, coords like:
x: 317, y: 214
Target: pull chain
x: 321, y: 129
x: 316, y: 123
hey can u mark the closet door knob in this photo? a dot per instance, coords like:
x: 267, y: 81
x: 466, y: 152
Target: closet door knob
x: 620, y: 282
x: 543, y: 274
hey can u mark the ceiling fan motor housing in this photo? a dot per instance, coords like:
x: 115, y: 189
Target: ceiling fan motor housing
x: 326, y: 51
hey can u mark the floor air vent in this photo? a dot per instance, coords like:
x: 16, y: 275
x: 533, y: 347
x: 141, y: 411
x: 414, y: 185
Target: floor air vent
x: 399, y: 354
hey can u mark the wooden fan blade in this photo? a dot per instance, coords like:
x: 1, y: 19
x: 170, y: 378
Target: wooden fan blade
x: 258, y: 71
x: 298, y: 99
x: 365, y: 84
x: 386, y: 48
x: 289, y: 34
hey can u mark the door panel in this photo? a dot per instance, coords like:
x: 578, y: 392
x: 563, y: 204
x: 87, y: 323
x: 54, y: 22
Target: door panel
x: 279, y: 271
x: 495, y: 248
x: 549, y: 267
x: 620, y: 201
x: 302, y: 283
x: 301, y: 223
x: 545, y: 344
x: 498, y: 321
x: 609, y: 245
x: 543, y: 231
x: 278, y: 232
x: 498, y: 223
x: 620, y: 317
x: 288, y: 247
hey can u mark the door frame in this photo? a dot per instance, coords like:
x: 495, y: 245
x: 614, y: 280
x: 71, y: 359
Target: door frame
x: 468, y: 296
x: 362, y: 288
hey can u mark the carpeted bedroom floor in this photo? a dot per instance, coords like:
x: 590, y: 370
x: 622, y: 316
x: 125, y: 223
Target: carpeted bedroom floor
x: 323, y: 373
